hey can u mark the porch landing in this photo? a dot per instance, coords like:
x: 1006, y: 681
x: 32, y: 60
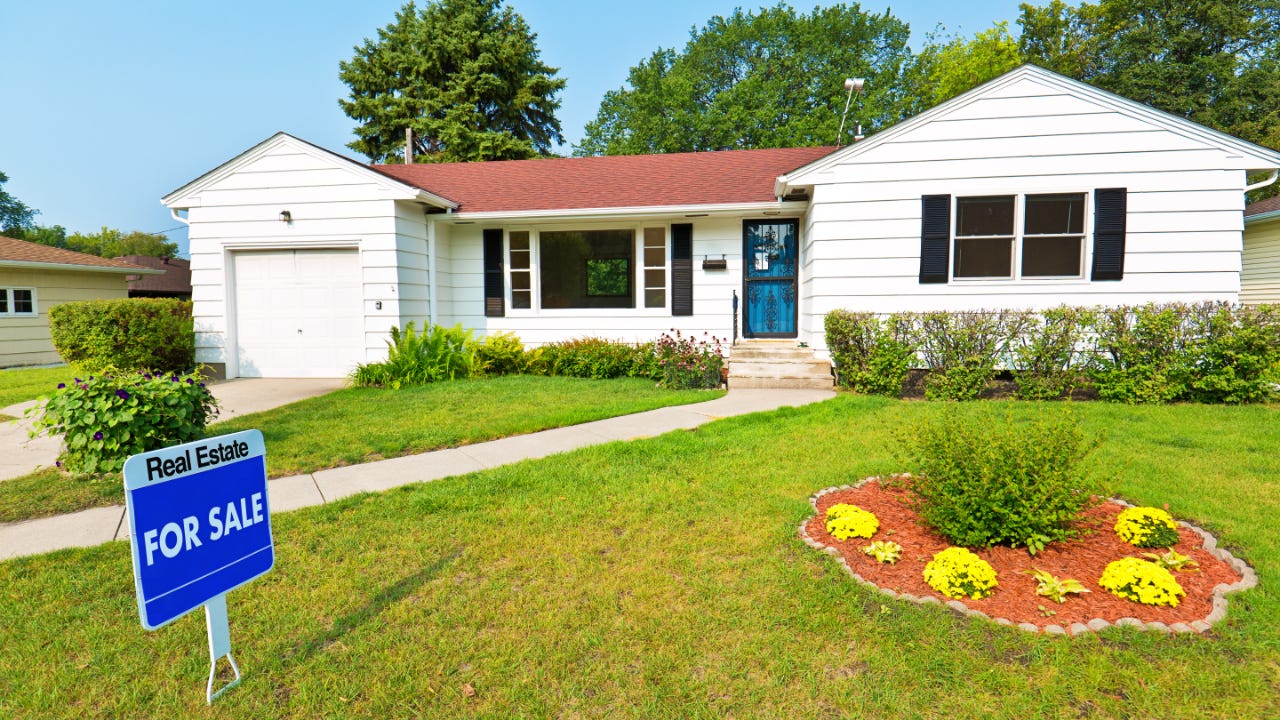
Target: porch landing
x: 777, y: 364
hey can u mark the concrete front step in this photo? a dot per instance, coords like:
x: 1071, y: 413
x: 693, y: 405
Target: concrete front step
x: 756, y: 368
x: 777, y: 383
x: 777, y: 364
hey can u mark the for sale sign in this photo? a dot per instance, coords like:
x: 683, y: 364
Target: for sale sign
x: 200, y: 523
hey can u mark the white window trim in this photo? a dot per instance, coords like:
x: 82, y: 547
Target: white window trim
x: 1019, y: 236
x: 11, y: 311
x: 637, y: 265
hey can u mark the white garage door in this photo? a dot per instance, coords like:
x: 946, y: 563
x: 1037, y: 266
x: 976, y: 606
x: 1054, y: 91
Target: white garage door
x: 299, y: 313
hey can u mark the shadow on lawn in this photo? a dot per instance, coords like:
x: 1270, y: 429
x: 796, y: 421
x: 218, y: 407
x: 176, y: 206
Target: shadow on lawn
x: 377, y: 604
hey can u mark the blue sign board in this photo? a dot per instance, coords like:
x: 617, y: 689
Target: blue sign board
x: 199, y: 521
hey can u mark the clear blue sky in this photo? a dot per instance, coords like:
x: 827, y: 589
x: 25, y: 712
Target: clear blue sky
x: 107, y: 106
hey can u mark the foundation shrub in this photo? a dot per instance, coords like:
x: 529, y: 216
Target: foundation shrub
x: 95, y: 336
x: 595, y: 358
x: 1237, y: 353
x: 1143, y: 354
x: 961, y: 350
x: 501, y: 353
x: 871, y: 355
x: 105, y: 419
x: 689, y: 364
x: 413, y: 358
x: 1044, y: 356
x: 982, y: 479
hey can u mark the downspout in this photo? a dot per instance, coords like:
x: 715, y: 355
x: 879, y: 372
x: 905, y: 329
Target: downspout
x: 1274, y: 174
x: 173, y: 212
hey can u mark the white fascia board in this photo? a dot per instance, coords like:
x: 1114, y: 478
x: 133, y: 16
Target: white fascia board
x: 628, y: 212
x: 1265, y: 158
x: 1262, y: 217
x: 183, y: 198
x: 27, y: 265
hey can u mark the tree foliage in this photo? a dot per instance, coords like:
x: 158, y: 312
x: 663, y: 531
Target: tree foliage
x: 465, y: 75
x: 107, y: 242
x: 947, y: 67
x: 14, y: 214
x: 757, y: 80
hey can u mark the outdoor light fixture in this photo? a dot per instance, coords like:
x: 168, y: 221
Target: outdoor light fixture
x: 286, y: 217
x: 853, y: 85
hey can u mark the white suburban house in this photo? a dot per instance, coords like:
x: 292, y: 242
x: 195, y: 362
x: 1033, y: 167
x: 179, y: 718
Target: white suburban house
x: 1030, y: 191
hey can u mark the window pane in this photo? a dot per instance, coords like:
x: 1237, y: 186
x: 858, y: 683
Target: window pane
x: 987, y: 257
x: 655, y: 237
x: 655, y: 278
x: 4, y: 300
x: 521, y: 299
x: 1055, y: 214
x: 22, y: 301
x: 519, y: 260
x: 655, y: 298
x: 520, y: 241
x: 1051, y: 256
x: 520, y: 281
x: 586, y: 269
x: 984, y: 216
x: 655, y: 257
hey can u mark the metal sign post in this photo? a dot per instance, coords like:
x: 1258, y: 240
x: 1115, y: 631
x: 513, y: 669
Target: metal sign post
x: 200, y: 527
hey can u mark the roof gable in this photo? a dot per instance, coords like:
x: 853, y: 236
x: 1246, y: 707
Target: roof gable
x: 1011, y: 87
x: 613, y: 181
x: 187, y: 195
x: 20, y: 253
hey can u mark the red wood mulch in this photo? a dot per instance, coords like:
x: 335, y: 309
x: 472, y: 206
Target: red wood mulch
x: 1015, y: 597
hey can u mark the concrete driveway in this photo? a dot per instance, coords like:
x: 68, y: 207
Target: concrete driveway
x: 20, y: 454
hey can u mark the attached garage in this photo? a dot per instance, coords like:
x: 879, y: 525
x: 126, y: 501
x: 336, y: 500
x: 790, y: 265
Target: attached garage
x: 298, y: 313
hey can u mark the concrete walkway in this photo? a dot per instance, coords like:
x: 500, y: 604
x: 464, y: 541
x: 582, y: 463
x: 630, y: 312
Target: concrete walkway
x: 21, y: 454
x: 100, y: 525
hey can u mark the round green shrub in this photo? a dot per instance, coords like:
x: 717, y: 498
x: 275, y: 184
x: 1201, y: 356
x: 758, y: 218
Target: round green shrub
x: 97, y: 336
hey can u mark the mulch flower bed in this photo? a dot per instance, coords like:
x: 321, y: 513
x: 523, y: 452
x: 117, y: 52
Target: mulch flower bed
x: 1015, y: 599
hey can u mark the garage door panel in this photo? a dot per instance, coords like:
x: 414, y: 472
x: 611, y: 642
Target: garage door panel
x: 299, y: 313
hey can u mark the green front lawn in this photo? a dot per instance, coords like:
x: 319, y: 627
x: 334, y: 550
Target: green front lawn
x: 656, y: 578
x: 23, y: 384
x: 356, y: 425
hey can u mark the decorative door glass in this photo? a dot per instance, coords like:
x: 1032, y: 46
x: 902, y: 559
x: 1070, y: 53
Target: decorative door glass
x: 769, y: 278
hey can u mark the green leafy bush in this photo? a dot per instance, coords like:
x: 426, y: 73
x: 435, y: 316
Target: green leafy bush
x: 105, y: 419
x: 871, y: 355
x: 1044, y: 354
x: 595, y: 358
x: 961, y: 350
x: 1143, y: 354
x: 96, y: 336
x: 1237, y: 353
x: 501, y: 353
x: 688, y: 364
x: 418, y: 359
x: 1142, y: 582
x: 982, y: 479
x: 958, y: 573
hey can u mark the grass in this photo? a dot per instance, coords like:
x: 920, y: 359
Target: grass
x: 657, y: 578
x: 357, y: 425
x: 23, y: 384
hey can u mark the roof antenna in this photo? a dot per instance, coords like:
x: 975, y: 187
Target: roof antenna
x: 408, y: 146
x: 853, y: 85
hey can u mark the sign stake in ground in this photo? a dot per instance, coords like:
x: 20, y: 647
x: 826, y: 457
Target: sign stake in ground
x: 200, y: 528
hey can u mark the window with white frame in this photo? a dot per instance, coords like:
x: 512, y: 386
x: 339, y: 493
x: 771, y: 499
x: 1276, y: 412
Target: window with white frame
x: 1019, y: 236
x: 655, y: 267
x: 520, y: 263
x: 17, y: 302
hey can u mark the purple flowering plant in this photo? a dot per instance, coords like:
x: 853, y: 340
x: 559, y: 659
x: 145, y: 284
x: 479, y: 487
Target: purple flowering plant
x: 688, y: 363
x: 106, y: 418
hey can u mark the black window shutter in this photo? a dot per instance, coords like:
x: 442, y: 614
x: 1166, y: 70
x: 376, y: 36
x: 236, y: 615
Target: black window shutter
x: 682, y: 269
x: 935, y: 237
x: 493, y: 291
x: 1110, y: 206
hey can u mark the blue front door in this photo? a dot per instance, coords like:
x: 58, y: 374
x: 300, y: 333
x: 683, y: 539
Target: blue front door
x: 770, y: 261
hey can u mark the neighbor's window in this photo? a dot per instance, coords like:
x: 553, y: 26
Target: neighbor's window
x: 655, y: 267
x: 1051, y: 242
x: 520, y: 263
x: 586, y: 268
x: 17, y: 301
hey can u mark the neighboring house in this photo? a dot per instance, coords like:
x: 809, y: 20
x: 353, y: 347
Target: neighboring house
x: 1260, y: 275
x: 1030, y: 191
x: 173, y: 280
x: 34, y: 278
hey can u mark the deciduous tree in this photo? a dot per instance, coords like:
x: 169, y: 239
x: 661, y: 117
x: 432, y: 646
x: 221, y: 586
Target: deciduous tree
x: 14, y: 214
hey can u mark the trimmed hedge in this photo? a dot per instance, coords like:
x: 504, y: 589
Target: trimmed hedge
x: 129, y: 334
x: 1154, y: 353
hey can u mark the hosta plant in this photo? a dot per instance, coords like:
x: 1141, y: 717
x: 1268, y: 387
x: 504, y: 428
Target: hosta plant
x: 885, y: 551
x: 1055, y: 588
x: 1140, y: 581
x: 846, y: 521
x: 1173, y: 560
x: 958, y: 573
x: 1147, y: 527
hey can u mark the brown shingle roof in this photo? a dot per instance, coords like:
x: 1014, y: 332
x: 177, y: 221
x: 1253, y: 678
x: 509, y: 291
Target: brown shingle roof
x: 616, y: 181
x: 1271, y: 204
x: 20, y: 251
x: 176, y: 279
